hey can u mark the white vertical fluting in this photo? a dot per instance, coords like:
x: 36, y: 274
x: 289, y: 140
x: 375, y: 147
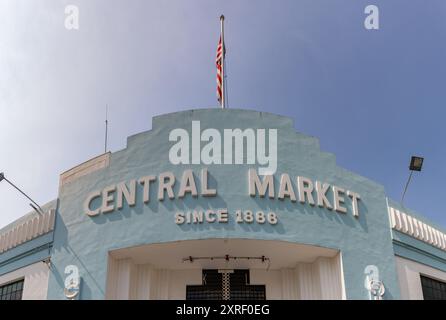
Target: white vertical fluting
x: 125, y: 271
x: 144, y: 282
x: 159, y: 284
x: 289, y: 284
x: 110, y: 291
x: 308, y: 282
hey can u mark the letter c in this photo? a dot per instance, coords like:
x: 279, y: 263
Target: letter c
x: 208, y: 214
x: 90, y: 198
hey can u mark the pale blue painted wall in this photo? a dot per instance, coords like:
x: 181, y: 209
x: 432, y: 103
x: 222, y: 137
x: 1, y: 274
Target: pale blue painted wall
x: 25, y: 254
x: 85, y: 241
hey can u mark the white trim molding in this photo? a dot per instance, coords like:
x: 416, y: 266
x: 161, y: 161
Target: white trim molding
x: 417, y: 229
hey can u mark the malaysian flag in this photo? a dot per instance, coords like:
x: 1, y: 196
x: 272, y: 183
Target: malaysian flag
x: 219, y: 64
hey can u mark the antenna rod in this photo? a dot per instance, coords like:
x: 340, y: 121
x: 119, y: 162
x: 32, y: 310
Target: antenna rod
x: 106, y: 128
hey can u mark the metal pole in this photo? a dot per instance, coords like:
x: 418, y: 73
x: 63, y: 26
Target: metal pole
x: 222, y: 19
x: 12, y: 184
x: 405, y: 188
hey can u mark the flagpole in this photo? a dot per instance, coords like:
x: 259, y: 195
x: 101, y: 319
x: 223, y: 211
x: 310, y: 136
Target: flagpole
x: 222, y: 19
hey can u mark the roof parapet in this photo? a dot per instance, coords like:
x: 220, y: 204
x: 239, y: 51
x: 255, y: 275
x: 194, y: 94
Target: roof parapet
x: 34, y: 227
x: 417, y: 229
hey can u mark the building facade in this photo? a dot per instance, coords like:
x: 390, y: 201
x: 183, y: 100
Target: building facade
x: 221, y: 204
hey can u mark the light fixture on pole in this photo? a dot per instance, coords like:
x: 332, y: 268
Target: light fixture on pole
x: 33, y: 205
x: 416, y: 163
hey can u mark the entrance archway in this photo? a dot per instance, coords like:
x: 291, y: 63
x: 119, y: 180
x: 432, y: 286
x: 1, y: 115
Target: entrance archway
x: 174, y: 270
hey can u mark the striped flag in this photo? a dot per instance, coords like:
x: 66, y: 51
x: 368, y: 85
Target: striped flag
x: 219, y: 64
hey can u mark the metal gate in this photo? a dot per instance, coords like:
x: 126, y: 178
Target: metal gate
x: 225, y: 285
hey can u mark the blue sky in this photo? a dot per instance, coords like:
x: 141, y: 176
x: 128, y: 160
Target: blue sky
x: 372, y: 97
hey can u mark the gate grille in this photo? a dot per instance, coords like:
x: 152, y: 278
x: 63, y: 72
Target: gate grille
x: 221, y: 286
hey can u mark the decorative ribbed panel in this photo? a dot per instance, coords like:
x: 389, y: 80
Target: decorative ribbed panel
x: 308, y: 282
x: 143, y: 282
x: 28, y: 230
x: 124, y: 279
x: 289, y: 285
x: 320, y: 280
x: 159, y: 284
x: 415, y: 228
x: 133, y: 292
x: 330, y: 278
x: 112, y: 274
